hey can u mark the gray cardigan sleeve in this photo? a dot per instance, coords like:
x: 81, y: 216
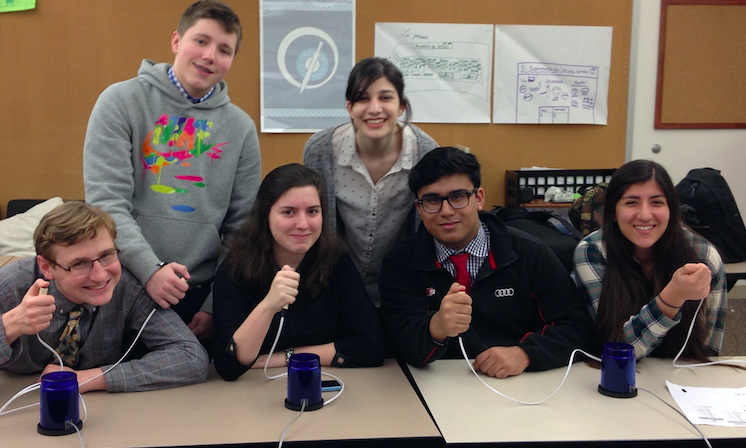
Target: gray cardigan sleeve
x: 318, y: 155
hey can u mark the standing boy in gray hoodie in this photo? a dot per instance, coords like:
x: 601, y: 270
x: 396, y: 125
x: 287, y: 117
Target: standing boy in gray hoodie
x: 176, y: 164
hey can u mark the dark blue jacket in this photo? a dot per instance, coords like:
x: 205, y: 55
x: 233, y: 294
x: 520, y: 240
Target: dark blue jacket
x: 522, y: 296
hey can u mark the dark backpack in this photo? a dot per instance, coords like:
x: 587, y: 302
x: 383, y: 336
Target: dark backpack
x: 587, y: 211
x: 540, y: 225
x: 708, y: 208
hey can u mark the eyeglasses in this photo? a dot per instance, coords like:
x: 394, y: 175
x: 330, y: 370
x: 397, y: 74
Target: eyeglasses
x: 85, y: 266
x: 458, y: 199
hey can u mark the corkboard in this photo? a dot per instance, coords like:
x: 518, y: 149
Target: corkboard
x: 701, y: 65
x: 60, y: 56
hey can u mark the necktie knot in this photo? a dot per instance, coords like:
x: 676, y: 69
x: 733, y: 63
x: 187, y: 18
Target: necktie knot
x: 462, y: 274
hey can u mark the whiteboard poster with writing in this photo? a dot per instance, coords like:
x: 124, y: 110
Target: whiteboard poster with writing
x: 446, y: 68
x: 551, y: 74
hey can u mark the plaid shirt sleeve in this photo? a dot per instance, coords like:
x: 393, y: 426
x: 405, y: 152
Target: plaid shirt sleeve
x: 717, y: 300
x: 645, y: 330
x: 175, y: 357
x: 590, y: 265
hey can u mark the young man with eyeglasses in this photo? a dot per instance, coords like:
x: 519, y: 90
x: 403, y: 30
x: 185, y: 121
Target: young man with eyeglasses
x: 78, y: 262
x: 467, y: 274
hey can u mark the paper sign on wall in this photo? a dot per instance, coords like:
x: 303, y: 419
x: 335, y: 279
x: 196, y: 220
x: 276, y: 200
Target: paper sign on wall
x: 446, y: 68
x: 551, y: 74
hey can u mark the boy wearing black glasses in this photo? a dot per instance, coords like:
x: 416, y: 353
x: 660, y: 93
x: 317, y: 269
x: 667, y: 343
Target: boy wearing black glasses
x: 77, y: 298
x: 466, y: 274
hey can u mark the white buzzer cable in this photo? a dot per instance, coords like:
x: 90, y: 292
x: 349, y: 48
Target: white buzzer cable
x: 706, y: 440
x: 569, y: 365
x: 23, y: 391
x: 35, y: 386
x: 567, y: 372
x: 701, y: 364
x: 147, y: 319
x: 686, y: 341
x: 341, y: 387
x: 43, y: 292
x: 274, y: 344
x: 304, y: 402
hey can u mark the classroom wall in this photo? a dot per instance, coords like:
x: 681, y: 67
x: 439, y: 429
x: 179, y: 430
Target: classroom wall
x: 60, y: 56
x: 682, y: 149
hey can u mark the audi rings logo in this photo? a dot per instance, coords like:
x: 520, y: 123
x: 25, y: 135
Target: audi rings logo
x: 504, y: 292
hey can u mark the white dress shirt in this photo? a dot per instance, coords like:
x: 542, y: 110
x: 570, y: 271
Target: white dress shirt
x: 374, y: 214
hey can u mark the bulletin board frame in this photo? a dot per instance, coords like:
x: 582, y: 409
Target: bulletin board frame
x: 701, y: 65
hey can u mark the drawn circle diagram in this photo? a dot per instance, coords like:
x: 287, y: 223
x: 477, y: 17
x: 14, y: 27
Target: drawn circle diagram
x: 312, y: 64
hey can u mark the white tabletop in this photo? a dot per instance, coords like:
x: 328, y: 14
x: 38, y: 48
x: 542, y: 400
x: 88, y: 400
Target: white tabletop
x: 468, y: 412
x: 377, y: 403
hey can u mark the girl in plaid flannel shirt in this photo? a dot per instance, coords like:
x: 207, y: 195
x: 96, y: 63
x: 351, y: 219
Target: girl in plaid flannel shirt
x: 643, y: 273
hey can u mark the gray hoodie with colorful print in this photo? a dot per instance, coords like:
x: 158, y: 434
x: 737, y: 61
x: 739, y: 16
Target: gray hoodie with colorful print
x: 178, y: 178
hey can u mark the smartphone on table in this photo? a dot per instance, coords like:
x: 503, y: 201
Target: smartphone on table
x: 330, y: 385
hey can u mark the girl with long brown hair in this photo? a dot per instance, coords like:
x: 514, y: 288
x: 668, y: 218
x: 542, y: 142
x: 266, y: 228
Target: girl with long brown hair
x: 286, y: 256
x: 643, y: 273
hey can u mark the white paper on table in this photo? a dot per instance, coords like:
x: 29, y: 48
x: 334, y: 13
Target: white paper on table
x: 717, y: 406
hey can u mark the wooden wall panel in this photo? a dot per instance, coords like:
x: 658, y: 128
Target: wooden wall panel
x: 57, y: 58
